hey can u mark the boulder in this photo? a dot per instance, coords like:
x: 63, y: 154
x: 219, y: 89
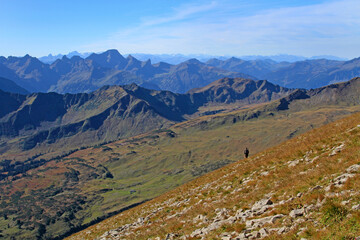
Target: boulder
x: 256, y: 223
x: 260, y: 204
x: 353, y: 169
x: 297, y: 213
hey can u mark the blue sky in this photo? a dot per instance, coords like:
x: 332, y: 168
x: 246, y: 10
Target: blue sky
x: 218, y: 27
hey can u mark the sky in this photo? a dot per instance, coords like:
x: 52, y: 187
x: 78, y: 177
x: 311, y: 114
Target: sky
x: 215, y: 27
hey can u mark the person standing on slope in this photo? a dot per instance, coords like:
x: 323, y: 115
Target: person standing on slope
x: 246, y: 152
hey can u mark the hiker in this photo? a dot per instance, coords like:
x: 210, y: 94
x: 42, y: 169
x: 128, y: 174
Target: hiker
x: 246, y: 153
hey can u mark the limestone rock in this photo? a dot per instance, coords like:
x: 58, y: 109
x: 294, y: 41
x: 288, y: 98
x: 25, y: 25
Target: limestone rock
x: 297, y: 212
x: 353, y: 169
x: 256, y: 223
x: 260, y: 204
x: 337, y: 149
x: 263, y: 232
x: 356, y: 207
x: 342, y: 179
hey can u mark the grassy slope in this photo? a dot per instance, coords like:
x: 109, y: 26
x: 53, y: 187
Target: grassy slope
x: 323, y: 154
x: 151, y: 164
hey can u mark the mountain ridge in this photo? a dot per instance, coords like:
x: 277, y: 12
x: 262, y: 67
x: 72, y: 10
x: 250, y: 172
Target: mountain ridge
x: 77, y: 74
x: 42, y: 118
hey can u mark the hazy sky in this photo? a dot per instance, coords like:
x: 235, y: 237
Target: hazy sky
x: 219, y: 27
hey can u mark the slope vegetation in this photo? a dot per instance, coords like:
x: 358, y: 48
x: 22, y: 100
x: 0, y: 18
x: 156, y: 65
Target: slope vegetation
x: 306, y: 187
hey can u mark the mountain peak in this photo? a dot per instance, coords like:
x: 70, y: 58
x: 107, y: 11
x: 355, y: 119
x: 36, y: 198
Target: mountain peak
x: 193, y: 61
x: 113, y: 55
x: 130, y: 57
x: 112, y: 51
x: 109, y: 59
x: 64, y: 58
x: 76, y: 58
x: 132, y: 63
x: 146, y: 63
x: 234, y: 59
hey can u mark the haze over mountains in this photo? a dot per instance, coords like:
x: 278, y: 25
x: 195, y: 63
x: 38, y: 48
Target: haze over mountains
x: 77, y: 75
x: 303, y: 74
x: 179, y: 58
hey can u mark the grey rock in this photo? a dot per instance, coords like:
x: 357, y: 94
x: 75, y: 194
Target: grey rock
x: 297, y: 213
x: 255, y: 234
x: 171, y: 236
x: 353, y: 169
x: 356, y: 207
x: 260, y: 204
x: 241, y: 236
x: 318, y: 187
x: 342, y: 178
x: 255, y: 223
x: 263, y: 232
x: 283, y: 230
x: 336, y: 150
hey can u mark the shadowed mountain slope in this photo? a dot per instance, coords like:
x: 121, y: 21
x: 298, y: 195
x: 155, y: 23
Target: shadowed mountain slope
x: 113, y: 111
x: 7, y: 85
x: 28, y: 72
x: 247, y: 91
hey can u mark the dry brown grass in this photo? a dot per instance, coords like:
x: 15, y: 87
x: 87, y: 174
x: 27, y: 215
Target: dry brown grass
x: 282, y: 182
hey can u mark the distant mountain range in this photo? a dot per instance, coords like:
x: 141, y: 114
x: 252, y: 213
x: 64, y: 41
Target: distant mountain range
x: 76, y: 74
x: 79, y: 75
x: 179, y: 58
x: 303, y: 74
x: 49, y: 59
